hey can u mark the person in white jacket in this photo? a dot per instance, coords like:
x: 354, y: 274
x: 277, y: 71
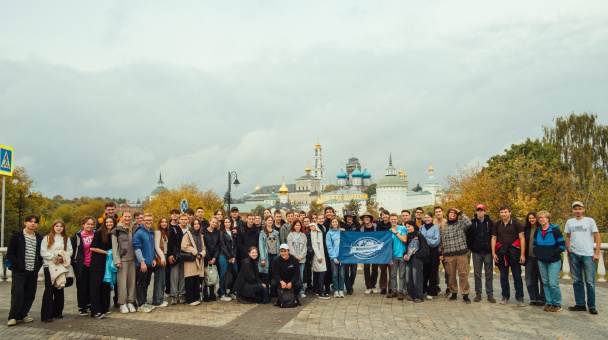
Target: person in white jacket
x: 56, y: 251
x: 319, y: 262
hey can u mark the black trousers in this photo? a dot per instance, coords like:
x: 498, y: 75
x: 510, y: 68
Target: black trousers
x: 23, y: 293
x: 99, y: 294
x: 193, y: 288
x: 430, y: 281
x: 142, y: 282
x: 52, y: 299
x: 83, y: 288
x: 308, y: 274
x: 168, y: 278
x: 276, y: 285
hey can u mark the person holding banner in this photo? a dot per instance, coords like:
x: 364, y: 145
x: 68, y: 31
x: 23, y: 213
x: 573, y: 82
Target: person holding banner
x: 370, y: 271
x: 397, y: 265
x: 350, y: 270
x: 385, y: 278
x: 333, y: 247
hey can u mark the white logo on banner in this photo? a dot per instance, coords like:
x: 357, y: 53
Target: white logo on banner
x: 366, y: 248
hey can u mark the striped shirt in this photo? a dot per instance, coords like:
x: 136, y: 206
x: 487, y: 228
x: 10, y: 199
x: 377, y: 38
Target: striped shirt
x: 30, y: 252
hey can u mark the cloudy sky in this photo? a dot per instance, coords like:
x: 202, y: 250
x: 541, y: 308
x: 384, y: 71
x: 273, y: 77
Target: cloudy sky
x: 98, y: 97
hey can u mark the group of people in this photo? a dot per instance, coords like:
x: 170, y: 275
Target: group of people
x: 256, y: 259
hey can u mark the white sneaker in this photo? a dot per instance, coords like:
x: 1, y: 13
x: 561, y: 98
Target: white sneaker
x: 145, y: 308
x: 195, y: 303
x: 124, y: 309
x: 11, y: 322
x: 233, y: 296
x: 375, y: 290
x: 131, y: 308
x: 302, y: 295
x: 164, y: 304
x: 429, y: 297
x: 368, y: 291
x: 336, y: 294
x: 226, y: 298
x: 341, y: 293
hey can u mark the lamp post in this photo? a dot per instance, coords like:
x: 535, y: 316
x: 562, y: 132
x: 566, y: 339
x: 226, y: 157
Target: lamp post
x: 230, y: 182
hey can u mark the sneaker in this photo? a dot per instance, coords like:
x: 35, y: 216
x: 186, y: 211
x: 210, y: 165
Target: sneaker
x: 82, y: 312
x: 11, y: 322
x: 391, y: 295
x: 336, y: 294
x: 131, y: 308
x: 417, y: 300
x: 447, y: 293
x: 368, y: 291
x: 505, y: 301
x: 477, y: 298
x: 195, y: 303
x: 429, y: 297
x: 146, y: 308
x: 342, y: 294
x: 533, y: 303
x: 323, y: 296
x: 124, y: 309
x: 349, y: 291
x: 593, y: 311
x: 164, y: 304
x: 302, y: 295
x: 557, y: 309
x: 547, y: 308
x: 47, y: 320
x: 99, y: 316
x: 465, y: 299
x: 577, y: 308
x: 27, y: 319
x: 226, y: 298
x: 521, y: 303
x: 400, y: 296
x: 172, y: 300
x: 454, y: 297
x: 409, y: 298
x: 376, y: 291
x: 108, y: 312
x: 382, y: 291
x: 233, y: 296
x: 491, y: 299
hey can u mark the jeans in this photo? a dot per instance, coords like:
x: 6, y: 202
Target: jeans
x: 413, y: 277
x: 320, y: 278
x: 178, y: 281
x: 52, y: 299
x: 517, y: 281
x: 485, y: 262
x: 549, y: 272
x: 23, y: 292
x: 302, y: 265
x: 223, y: 267
x: 534, y: 283
x: 350, y: 273
x: 337, y: 271
x: 143, y: 281
x: 578, y: 265
x: 398, y: 271
x: 159, y: 286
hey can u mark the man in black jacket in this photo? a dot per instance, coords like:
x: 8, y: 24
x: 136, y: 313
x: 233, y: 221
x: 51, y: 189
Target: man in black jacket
x: 24, y: 254
x: 246, y: 237
x: 479, y: 239
x: 174, y: 245
x: 384, y: 224
x: 237, y: 222
x: 350, y: 270
x: 285, y: 272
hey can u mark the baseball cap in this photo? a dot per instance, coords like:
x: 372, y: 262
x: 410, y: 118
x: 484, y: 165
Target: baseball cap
x: 234, y: 209
x: 579, y: 203
x: 284, y: 246
x: 480, y: 206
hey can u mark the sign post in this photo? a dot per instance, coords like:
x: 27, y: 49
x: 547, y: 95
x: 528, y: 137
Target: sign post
x: 184, y: 205
x: 6, y: 169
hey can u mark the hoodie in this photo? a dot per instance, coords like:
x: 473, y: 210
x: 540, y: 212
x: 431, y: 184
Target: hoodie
x: 245, y: 239
x: 333, y: 243
x: 143, y: 244
x: 479, y: 235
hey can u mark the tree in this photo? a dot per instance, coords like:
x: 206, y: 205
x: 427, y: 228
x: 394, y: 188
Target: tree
x: 371, y: 190
x: 258, y: 210
x: 353, y: 206
x: 315, y: 207
x: 331, y: 187
x: 372, y: 208
x: 160, y: 205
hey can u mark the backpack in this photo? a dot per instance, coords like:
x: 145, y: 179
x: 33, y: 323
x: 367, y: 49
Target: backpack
x: 287, y: 299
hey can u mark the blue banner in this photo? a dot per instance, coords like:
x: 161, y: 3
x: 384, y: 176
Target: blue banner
x: 372, y: 247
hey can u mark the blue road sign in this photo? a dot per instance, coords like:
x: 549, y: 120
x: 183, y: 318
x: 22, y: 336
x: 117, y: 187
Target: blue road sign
x: 6, y: 160
x: 184, y: 205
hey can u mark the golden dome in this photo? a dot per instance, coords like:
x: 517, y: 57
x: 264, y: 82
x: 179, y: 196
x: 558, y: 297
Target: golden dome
x: 256, y: 188
x: 308, y: 170
x: 283, y: 190
x: 431, y: 169
x: 405, y: 175
x: 400, y: 172
x: 318, y: 146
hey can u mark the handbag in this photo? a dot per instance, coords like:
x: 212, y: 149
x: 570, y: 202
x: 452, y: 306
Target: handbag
x: 229, y: 278
x: 186, y: 256
x: 159, y: 260
x: 211, y: 276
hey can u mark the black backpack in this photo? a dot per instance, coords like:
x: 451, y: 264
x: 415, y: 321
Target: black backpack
x: 287, y: 299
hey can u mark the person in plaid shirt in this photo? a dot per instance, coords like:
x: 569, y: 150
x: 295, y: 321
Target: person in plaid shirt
x: 454, y: 252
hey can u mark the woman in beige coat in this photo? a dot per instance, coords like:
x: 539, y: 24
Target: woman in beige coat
x: 193, y: 270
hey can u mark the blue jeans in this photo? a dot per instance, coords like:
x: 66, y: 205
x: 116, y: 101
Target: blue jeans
x: 517, y: 281
x: 578, y: 265
x: 533, y: 279
x: 549, y: 272
x: 223, y: 266
x: 413, y: 277
x: 302, y: 265
x: 337, y: 272
x: 158, y: 294
x: 350, y: 273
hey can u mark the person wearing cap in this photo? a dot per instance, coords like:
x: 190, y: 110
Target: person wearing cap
x: 580, y: 232
x: 370, y: 271
x: 479, y: 240
x: 237, y: 222
x: 350, y: 270
x: 285, y: 272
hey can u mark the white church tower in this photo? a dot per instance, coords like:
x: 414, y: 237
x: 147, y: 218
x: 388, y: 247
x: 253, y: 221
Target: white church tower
x: 391, y: 192
x: 319, y: 169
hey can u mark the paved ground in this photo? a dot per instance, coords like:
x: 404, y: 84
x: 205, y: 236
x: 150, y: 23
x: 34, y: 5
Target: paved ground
x: 358, y: 316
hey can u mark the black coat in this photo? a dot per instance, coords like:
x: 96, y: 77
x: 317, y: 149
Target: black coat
x: 16, y: 252
x: 77, y: 260
x: 174, y: 243
x: 227, y: 244
x: 249, y: 276
x: 479, y: 235
x: 212, y: 243
x: 245, y: 239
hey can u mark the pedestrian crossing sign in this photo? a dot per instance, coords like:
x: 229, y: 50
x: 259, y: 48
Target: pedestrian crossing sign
x: 6, y: 160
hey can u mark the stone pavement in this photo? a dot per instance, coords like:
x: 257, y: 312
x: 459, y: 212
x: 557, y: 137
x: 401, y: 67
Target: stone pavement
x: 358, y: 316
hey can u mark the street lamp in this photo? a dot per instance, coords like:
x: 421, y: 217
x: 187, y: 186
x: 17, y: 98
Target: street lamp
x: 230, y: 182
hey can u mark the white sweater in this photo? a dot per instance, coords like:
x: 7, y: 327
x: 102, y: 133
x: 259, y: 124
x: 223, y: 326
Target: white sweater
x: 49, y: 254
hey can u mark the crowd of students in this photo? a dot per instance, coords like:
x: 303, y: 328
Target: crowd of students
x: 259, y: 258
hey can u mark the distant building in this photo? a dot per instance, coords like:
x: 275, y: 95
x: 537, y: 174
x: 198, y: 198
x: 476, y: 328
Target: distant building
x: 160, y: 187
x: 354, y: 177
